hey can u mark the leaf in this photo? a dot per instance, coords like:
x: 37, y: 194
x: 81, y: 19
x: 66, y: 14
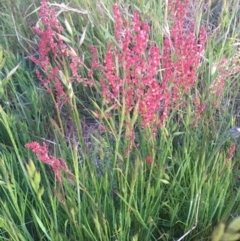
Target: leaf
x: 174, y: 127
x: 69, y: 29
x: 83, y: 36
x: 5, y: 81
x: 109, y: 109
x: 2, y: 182
x: 41, y: 224
x: 178, y: 133
x: 164, y: 181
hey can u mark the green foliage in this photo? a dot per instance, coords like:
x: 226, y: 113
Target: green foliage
x: 182, y: 192
x: 6, y: 79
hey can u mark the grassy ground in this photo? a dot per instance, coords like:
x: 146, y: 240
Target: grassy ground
x: 80, y: 159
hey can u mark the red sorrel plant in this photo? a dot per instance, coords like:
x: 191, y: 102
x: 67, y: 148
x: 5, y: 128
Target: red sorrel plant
x: 181, y: 59
x: 51, y: 46
x: 131, y: 82
x: 59, y: 64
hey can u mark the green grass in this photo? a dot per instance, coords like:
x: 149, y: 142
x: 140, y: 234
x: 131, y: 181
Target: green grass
x: 112, y: 193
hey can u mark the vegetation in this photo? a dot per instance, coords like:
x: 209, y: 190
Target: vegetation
x: 119, y: 120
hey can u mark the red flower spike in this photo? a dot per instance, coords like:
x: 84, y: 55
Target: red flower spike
x: 57, y: 165
x: 149, y: 160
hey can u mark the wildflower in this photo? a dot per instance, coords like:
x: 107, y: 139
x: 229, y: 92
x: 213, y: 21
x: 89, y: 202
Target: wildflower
x: 148, y: 159
x: 57, y: 165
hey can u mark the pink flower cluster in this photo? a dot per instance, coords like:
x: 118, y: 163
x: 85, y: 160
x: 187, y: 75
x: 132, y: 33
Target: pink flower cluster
x: 54, y: 54
x: 57, y: 165
x: 131, y: 70
x: 149, y: 160
x: 182, y: 56
x: 50, y: 46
